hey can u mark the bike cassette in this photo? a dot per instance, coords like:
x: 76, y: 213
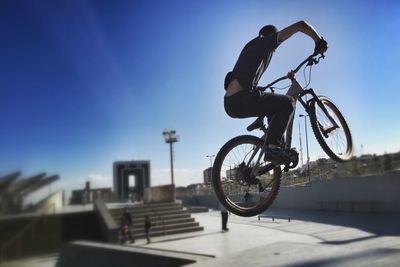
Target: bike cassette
x: 243, y: 175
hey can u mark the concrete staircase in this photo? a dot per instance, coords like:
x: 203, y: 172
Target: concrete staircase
x: 166, y: 219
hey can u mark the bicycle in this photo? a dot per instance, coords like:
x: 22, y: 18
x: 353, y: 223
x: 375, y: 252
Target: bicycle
x: 247, y: 185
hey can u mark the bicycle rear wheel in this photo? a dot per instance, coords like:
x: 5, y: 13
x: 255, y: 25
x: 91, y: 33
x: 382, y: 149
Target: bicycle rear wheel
x: 335, y: 141
x: 236, y: 185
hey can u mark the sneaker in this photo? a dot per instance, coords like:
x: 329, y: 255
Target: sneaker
x: 276, y: 155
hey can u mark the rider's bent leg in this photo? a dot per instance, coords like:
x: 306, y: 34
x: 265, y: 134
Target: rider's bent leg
x: 277, y: 126
x: 278, y: 109
x: 278, y: 120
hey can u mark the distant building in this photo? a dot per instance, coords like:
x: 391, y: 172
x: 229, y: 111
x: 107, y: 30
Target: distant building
x: 207, y: 175
x: 88, y: 195
x: 131, y: 178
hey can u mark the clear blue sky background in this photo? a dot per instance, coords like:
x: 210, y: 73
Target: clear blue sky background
x: 85, y: 83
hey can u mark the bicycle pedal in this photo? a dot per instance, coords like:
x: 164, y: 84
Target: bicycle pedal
x: 286, y: 168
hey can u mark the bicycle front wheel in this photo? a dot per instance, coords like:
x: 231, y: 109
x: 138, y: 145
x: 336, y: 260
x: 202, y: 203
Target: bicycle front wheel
x: 243, y: 182
x: 335, y: 141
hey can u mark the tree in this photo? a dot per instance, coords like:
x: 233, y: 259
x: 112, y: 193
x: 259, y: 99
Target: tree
x: 387, y: 162
x: 356, y: 167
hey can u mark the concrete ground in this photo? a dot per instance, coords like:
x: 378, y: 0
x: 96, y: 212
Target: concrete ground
x: 311, y: 238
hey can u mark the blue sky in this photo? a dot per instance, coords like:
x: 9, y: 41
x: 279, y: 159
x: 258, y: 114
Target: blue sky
x: 85, y: 83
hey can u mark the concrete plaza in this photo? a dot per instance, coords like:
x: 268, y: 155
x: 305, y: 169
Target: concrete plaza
x: 311, y: 238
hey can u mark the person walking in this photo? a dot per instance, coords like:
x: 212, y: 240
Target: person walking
x: 147, y: 226
x: 126, y: 226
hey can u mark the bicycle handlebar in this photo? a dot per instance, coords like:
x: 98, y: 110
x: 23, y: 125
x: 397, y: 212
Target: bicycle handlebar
x: 310, y: 60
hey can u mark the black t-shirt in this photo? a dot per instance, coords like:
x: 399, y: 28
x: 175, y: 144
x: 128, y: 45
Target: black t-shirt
x: 253, y: 61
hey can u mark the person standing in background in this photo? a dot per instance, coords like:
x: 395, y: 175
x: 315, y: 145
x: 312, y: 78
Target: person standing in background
x: 147, y: 226
x: 224, y: 217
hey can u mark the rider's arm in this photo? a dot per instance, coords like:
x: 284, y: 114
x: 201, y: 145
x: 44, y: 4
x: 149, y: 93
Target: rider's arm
x: 300, y: 26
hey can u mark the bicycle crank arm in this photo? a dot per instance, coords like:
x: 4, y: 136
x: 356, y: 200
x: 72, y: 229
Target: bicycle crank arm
x: 262, y: 170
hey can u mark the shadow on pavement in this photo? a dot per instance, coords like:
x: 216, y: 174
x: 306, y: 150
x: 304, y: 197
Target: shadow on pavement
x: 344, y: 242
x: 375, y: 223
x: 355, y: 259
x: 186, y: 237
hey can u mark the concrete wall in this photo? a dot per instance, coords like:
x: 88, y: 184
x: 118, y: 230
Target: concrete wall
x: 50, y: 232
x: 383, y: 190
x: 159, y: 194
x: 350, y: 193
x: 106, y: 221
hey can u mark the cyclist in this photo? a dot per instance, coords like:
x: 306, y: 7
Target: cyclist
x: 243, y: 99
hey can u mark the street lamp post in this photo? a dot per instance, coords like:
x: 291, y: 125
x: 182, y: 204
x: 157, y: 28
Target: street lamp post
x: 301, y: 147
x: 210, y: 156
x: 170, y: 138
x: 308, y: 156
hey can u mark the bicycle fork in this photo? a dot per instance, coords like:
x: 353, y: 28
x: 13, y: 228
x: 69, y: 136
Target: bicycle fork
x: 307, y: 104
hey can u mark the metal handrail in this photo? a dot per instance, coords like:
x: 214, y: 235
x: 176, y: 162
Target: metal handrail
x: 22, y: 232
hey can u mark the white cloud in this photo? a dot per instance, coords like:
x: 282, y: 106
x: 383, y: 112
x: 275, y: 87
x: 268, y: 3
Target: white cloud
x: 99, y: 181
x: 182, y: 177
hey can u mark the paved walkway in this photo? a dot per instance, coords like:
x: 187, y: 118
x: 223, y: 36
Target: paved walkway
x: 311, y: 238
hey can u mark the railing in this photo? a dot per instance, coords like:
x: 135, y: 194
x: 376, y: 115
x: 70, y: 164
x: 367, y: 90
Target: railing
x: 17, y: 237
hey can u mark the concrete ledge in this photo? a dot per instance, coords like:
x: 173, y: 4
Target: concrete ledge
x: 159, y: 194
x: 108, y: 226
x: 85, y: 253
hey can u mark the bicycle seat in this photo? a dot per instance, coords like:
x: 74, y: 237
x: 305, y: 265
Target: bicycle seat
x: 257, y: 124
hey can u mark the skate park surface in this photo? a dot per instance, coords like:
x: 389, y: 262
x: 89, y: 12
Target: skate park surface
x: 309, y: 238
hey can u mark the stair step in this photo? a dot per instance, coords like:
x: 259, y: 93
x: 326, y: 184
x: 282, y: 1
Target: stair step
x: 147, y: 206
x: 146, y: 209
x: 166, y: 227
x: 166, y: 222
x: 170, y: 232
x: 166, y: 218
x: 140, y: 217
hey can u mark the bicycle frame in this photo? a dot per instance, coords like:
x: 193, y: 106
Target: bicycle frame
x: 297, y: 92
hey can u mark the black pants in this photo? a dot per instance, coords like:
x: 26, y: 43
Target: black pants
x: 147, y: 231
x: 278, y: 109
x: 224, y: 215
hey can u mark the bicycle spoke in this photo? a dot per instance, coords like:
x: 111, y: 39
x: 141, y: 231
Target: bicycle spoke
x: 334, y: 137
x: 240, y: 183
